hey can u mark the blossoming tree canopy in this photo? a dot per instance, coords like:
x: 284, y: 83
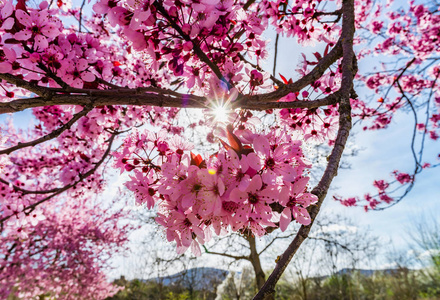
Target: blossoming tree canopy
x: 257, y: 176
x: 114, y: 84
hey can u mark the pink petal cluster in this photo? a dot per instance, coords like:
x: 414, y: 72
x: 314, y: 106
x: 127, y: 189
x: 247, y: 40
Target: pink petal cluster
x: 239, y: 189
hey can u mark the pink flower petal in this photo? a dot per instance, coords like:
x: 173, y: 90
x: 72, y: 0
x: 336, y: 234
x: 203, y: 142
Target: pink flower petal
x: 244, y: 183
x: 238, y: 196
x: 261, y: 145
x: 23, y: 35
x: 301, y: 215
x: 186, y: 238
x: 41, y: 42
x: 87, y: 76
x: 299, y: 186
x: 23, y: 18
x: 254, y: 161
x: 195, y: 248
x: 198, y: 7
x: 7, y: 10
x: 50, y: 30
x: 5, y: 67
x: 188, y: 200
x: 255, y: 184
x: 81, y: 64
x: 8, y: 24
x: 221, y: 187
x: 10, y: 54
x: 77, y: 83
x: 307, y: 199
x: 269, y: 176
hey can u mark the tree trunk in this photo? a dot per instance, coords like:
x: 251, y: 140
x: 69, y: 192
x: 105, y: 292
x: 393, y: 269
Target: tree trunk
x: 254, y: 258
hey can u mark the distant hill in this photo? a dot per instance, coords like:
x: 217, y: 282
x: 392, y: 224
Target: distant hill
x: 364, y: 272
x: 195, y: 279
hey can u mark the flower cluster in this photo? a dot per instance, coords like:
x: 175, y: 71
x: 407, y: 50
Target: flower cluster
x: 254, y: 181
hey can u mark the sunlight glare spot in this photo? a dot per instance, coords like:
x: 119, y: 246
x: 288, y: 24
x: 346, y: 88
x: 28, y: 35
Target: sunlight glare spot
x: 220, y: 113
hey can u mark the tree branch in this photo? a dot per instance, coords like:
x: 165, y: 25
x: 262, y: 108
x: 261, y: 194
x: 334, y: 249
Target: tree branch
x: 25, y: 192
x: 275, y: 54
x: 227, y: 255
x: 49, y: 136
x: 105, y: 97
x: 301, y: 83
x: 21, y: 83
x: 333, y: 242
x: 248, y: 4
x: 156, y: 96
x: 198, y: 51
x: 272, y: 77
x: 328, y: 100
x: 163, y: 98
x: 348, y: 66
x: 273, y: 240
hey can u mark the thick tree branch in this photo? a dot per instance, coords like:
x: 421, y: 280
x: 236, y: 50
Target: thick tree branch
x: 328, y: 100
x: 156, y: 96
x: 106, y: 97
x: 348, y: 66
x: 132, y: 97
x: 254, y: 258
x: 21, y: 83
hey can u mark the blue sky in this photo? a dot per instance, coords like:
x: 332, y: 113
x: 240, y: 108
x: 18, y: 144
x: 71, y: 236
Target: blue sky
x: 383, y: 152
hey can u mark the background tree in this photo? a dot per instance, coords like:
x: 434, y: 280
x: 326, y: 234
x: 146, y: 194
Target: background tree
x: 70, y: 243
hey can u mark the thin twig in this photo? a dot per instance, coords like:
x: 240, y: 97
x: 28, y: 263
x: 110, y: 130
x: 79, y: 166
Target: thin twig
x: 275, y: 55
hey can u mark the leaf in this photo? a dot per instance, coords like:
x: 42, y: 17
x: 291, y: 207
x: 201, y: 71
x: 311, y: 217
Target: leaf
x: 198, y: 161
x: 234, y: 141
x: 317, y: 55
x: 226, y: 145
x: 246, y: 150
x: 283, y: 78
x: 326, y: 49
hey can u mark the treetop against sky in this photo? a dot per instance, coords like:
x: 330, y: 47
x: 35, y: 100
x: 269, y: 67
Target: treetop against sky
x: 106, y: 90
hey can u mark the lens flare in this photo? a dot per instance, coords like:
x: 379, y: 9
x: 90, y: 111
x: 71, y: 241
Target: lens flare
x: 220, y: 113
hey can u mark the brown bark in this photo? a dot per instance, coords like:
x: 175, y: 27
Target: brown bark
x: 348, y: 70
x: 165, y: 97
x: 254, y: 258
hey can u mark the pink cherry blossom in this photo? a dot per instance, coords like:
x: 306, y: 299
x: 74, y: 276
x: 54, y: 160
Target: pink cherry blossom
x: 275, y: 160
x: 37, y: 27
x: 296, y: 200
